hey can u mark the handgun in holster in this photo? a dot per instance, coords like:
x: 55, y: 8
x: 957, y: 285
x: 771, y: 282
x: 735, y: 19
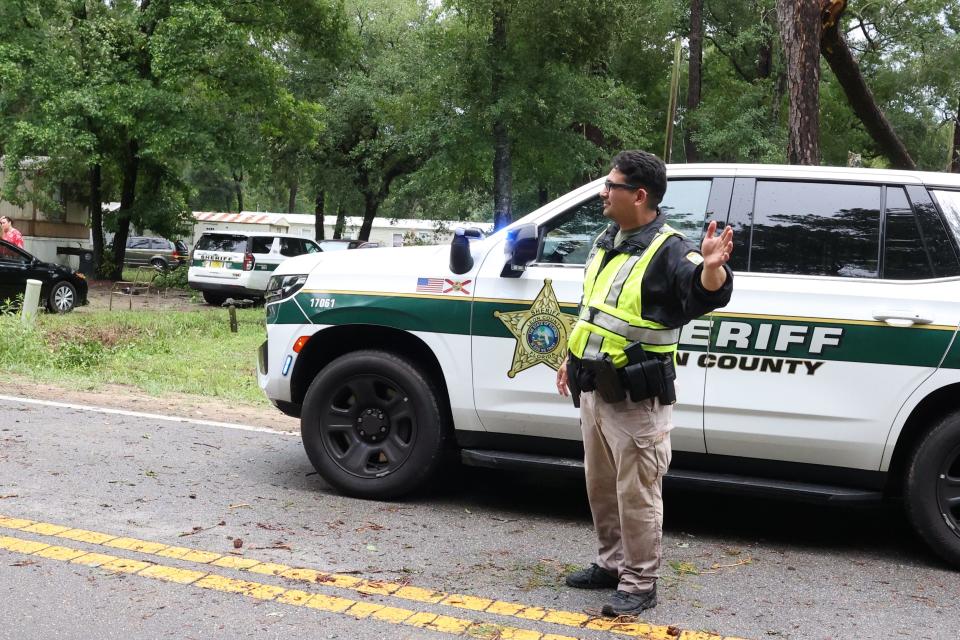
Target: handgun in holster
x: 647, y: 376
x: 607, y: 378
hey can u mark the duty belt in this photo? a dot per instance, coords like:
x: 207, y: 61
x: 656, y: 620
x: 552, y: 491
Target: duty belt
x: 604, y: 320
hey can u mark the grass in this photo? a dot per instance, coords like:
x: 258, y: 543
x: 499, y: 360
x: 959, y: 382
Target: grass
x: 159, y: 352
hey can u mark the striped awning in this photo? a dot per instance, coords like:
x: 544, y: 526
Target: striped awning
x: 246, y: 218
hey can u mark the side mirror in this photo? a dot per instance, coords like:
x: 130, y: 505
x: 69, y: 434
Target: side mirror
x: 461, y: 260
x: 520, y: 250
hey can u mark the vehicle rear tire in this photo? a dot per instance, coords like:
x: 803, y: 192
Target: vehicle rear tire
x: 932, y: 488
x: 373, y: 425
x: 215, y: 299
x: 159, y: 264
x: 62, y: 297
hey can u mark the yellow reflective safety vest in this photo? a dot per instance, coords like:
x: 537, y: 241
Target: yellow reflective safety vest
x: 610, y: 315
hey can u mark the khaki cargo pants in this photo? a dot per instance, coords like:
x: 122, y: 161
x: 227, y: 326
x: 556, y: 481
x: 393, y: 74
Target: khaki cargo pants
x: 626, y: 452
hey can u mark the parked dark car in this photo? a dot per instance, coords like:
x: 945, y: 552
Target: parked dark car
x: 157, y: 252
x: 62, y: 288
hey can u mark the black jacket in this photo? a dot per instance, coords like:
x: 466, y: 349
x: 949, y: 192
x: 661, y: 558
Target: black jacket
x: 671, y: 290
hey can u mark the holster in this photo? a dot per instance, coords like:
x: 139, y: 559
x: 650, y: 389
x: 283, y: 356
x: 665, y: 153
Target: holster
x: 573, y: 380
x: 649, y: 376
x: 608, y: 383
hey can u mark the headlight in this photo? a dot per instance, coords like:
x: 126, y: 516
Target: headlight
x: 281, y: 287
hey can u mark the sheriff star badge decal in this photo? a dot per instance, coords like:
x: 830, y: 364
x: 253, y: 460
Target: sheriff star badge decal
x: 541, y: 332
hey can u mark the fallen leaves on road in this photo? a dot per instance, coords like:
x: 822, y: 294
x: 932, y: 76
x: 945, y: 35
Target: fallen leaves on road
x: 198, y: 529
x: 370, y: 526
x: 9, y: 495
x: 237, y: 543
x: 716, y: 566
x: 23, y: 563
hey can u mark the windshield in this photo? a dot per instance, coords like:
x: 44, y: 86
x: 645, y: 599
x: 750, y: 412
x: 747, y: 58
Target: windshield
x: 222, y: 242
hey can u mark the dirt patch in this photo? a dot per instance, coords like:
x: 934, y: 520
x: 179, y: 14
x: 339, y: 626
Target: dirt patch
x: 149, y: 298
x: 129, y: 398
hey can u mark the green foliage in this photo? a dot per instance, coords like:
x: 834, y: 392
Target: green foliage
x: 173, y: 278
x: 388, y: 106
x: 182, y: 352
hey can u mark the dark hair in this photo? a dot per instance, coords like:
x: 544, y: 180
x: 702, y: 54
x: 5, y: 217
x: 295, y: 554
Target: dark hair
x: 9, y: 219
x: 645, y: 170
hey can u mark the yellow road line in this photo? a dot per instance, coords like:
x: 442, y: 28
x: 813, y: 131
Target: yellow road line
x: 359, y: 585
x: 294, y: 597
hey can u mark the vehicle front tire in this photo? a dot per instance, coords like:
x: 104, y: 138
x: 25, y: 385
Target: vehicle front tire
x: 932, y: 488
x: 214, y: 298
x: 373, y: 425
x: 62, y: 297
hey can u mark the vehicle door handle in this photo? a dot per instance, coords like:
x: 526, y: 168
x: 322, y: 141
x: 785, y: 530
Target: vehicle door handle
x: 901, y: 318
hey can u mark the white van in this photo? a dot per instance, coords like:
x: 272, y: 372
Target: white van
x: 233, y: 264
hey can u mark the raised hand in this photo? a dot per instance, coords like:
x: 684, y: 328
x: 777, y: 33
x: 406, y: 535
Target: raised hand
x: 716, y: 249
x: 716, y: 252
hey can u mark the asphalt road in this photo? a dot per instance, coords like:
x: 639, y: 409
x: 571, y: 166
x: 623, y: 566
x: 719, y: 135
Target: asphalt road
x: 481, y: 554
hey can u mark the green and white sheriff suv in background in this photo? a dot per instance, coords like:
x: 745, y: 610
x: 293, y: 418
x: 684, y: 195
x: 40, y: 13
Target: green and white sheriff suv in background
x: 833, y: 374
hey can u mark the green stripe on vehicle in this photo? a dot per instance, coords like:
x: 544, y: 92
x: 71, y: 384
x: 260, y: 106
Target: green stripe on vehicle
x: 785, y: 337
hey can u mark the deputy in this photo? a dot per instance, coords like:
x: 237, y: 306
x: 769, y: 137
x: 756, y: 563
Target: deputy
x: 643, y: 282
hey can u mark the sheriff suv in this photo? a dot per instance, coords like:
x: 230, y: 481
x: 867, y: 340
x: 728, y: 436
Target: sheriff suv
x: 833, y: 374
x: 239, y: 264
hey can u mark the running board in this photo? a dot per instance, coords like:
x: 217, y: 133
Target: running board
x: 680, y: 478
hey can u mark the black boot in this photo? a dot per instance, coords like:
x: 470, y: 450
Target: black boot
x: 630, y: 604
x: 593, y: 577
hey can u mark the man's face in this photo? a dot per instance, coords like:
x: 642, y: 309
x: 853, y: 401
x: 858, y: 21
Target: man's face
x: 619, y: 202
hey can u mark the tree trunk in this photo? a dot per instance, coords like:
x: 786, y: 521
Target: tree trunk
x: 502, y: 167
x: 693, y: 77
x: 128, y: 192
x: 238, y: 189
x: 371, y: 203
x: 800, y: 28
x: 543, y: 196
x: 318, y: 216
x: 96, y: 215
x: 765, y: 55
x: 833, y: 46
x: 292, y: 202
x: 341, y: 222
x: 955, y: 154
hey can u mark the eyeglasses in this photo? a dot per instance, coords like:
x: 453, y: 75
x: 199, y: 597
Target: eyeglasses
x: 610, y: 186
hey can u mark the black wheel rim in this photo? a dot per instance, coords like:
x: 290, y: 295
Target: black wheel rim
x: 368, y: 426
x: 948, y: 489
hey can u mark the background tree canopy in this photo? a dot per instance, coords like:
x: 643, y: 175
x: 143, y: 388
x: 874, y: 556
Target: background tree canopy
x: 442, y: 109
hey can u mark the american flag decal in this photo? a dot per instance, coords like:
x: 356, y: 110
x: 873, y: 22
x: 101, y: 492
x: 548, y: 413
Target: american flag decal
x: 430, y: 285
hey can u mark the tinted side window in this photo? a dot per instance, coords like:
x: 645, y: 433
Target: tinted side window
x: 160, y: 243
x: 685, y: 205
x: 936, y: 240
x: 569, y: 236
x: 9, y: 255
x: 822, y: 229
x: 949, y: 202
x: 311, y: 247
x: 261, y: 244
x: 905, y: 253
x: 138, y: 243
x: 291, y: 246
